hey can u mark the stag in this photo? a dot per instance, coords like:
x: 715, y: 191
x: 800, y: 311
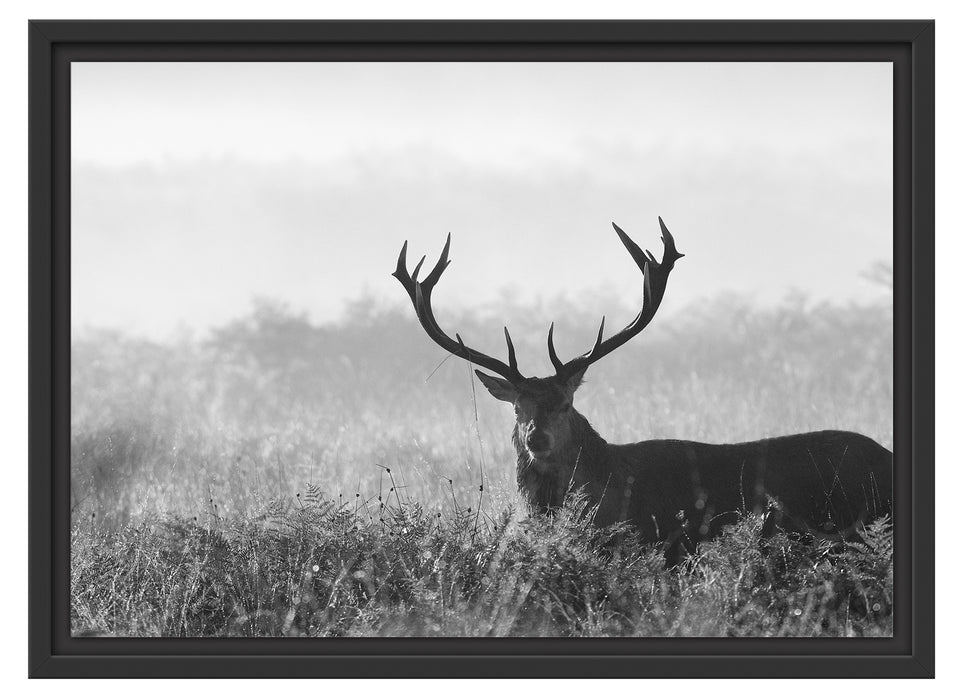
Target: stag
x: 679, y: 492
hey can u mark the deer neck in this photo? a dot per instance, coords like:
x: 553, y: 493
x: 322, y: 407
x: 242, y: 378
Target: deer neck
x: 544, y: 482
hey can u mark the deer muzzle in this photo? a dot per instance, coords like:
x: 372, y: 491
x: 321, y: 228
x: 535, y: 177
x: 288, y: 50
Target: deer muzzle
x: 538, y: 442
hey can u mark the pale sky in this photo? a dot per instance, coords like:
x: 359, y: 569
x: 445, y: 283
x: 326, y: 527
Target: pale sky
x: 198, y: 187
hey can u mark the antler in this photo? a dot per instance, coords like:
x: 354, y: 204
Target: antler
x: 420, y: 292
x: 655, y: 275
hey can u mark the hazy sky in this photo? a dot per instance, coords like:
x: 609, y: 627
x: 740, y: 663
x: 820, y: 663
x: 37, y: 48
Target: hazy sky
x: 198, y: 187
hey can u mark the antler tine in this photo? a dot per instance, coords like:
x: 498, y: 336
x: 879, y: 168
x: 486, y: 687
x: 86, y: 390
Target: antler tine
x: 403, y: 275
x: 441, y: 265
x: 416, y: 270
x: 599, y: 336
x: 655, y: 275
x: 553, y: 357
x: 511, y: 350
x: 420, y: 292
x: 670, y: 254
x: 639, y: 257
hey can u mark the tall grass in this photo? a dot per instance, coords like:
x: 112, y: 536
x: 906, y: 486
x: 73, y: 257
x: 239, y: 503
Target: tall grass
x: 318, y: 569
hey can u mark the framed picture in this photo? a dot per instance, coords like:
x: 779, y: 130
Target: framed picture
x: 267, y: 439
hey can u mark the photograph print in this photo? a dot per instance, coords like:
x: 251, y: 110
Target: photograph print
x: 481, y: 349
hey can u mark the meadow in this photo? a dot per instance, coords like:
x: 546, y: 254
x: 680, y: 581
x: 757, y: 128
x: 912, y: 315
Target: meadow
x: 279, y: 477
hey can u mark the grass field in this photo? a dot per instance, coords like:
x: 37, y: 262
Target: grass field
x: 280, y: 478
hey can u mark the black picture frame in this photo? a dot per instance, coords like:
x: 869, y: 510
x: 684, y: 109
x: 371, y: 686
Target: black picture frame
x: 54, y: 45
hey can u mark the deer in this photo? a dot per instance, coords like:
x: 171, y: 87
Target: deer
x: 826, y: 484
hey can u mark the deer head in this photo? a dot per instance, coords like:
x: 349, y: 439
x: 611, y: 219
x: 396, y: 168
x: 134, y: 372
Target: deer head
x: 543, y: 406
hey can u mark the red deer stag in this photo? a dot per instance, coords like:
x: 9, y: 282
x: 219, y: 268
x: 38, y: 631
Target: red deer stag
x: 675, y: 491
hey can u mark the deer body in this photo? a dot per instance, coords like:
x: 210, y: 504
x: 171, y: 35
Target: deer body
x: 680, y: 492
x: 676, y: 491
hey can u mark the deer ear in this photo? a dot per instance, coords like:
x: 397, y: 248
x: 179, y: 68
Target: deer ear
x: 501, y: 389
x: 572, y: 384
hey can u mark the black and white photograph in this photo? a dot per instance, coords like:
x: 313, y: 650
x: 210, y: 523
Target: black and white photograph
x: 481, y: 349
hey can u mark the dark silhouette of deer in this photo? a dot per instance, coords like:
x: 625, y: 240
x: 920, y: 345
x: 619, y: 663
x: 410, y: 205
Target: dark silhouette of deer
x: 826, y: 483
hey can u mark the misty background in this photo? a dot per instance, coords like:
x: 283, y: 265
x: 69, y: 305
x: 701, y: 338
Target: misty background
x: 237, y: 333
x: 198, y: 187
